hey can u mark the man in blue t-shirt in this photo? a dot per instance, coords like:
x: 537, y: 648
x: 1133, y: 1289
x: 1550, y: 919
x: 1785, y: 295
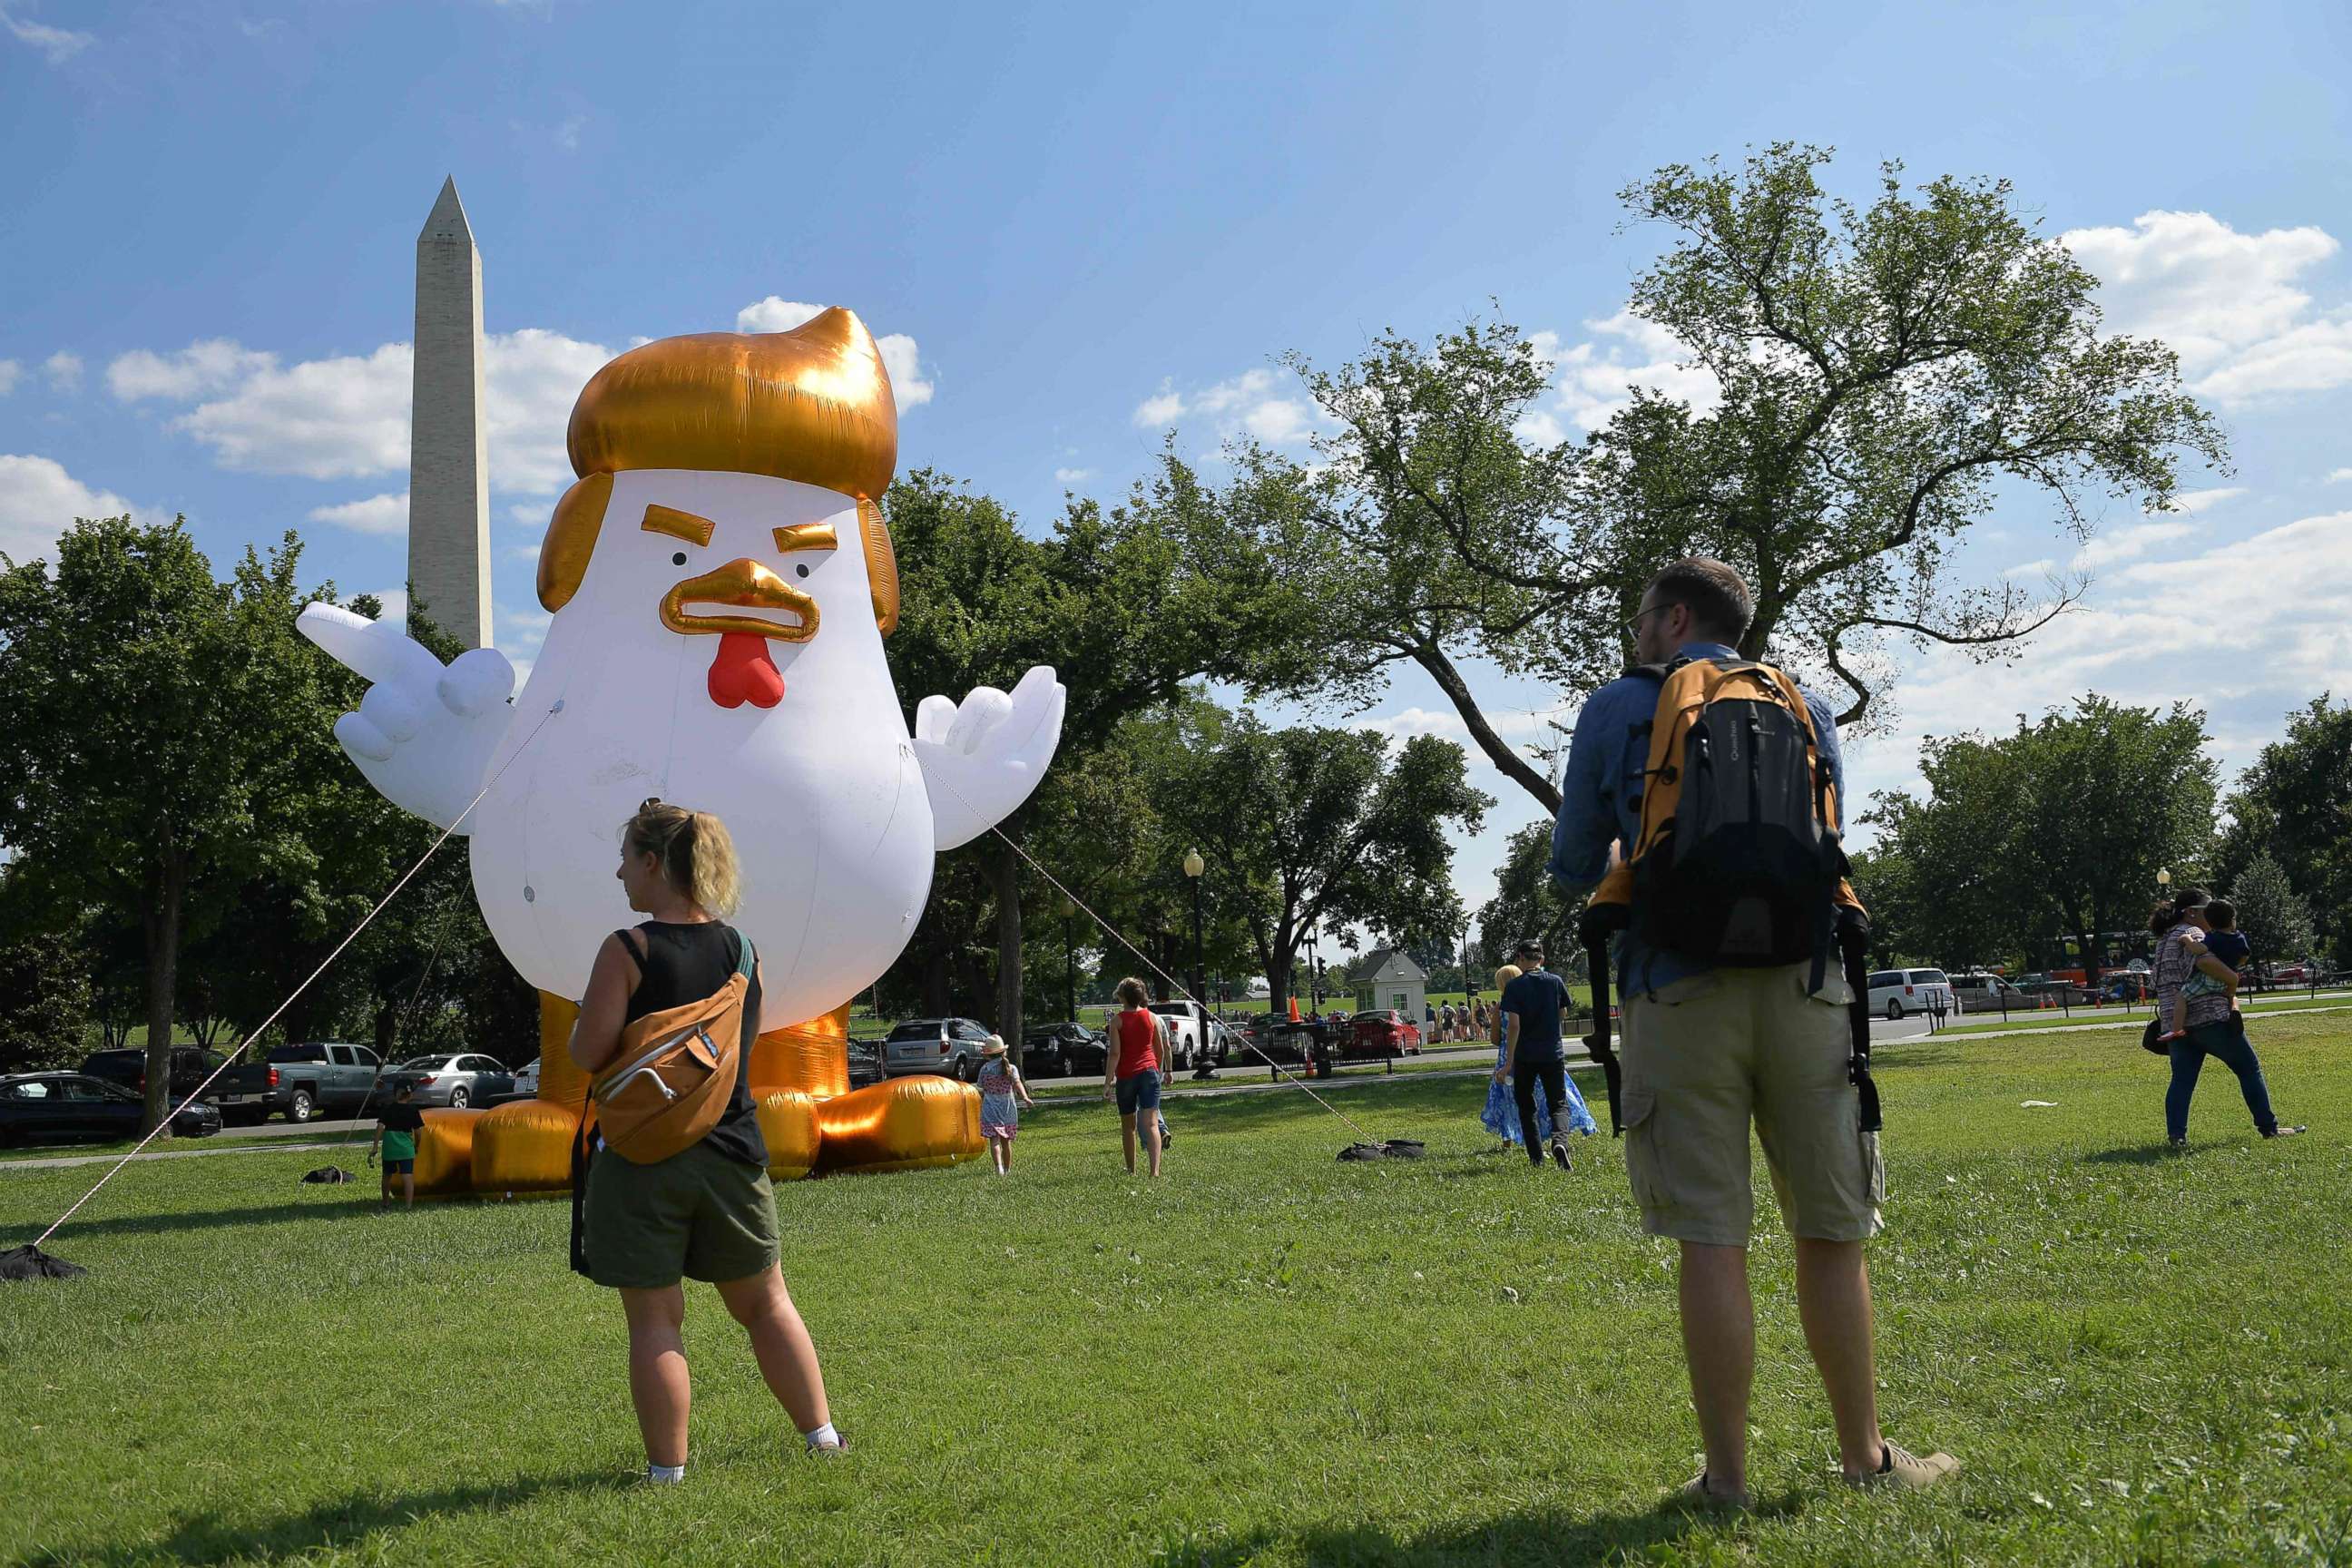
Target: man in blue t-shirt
x: 1532, y: 1006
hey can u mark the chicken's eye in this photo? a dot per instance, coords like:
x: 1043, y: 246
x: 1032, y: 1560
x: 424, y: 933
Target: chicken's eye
x: 801, y: 570
x: 679, y: 559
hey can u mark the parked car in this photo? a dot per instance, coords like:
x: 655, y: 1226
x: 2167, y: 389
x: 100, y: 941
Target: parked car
x: 319, y: 1078
x: 2295, y: 973
x: 54, y: 1107
x: 525, y: 1080
x: 1380, y: 1034
x: 1898, y: 992
x: 454, y: 1079
x: 1185, y: 1022
x: 1270, y: 1035
x: 1981, y: 993
x: 1062, y: 1051
x: 951, y: 1046
x: 864, y: 1063
x: 241, y: 1092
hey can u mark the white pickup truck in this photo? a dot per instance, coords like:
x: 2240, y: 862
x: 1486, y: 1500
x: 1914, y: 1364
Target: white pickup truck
x: 1186, y: 1022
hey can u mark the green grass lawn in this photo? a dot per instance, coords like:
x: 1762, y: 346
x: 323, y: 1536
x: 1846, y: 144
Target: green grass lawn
x: 1269, y: 1358
x: 2059, y: 1018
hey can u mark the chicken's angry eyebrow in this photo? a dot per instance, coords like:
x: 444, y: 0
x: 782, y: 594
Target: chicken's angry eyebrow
x: 678, y: 524
x: 807, y: 536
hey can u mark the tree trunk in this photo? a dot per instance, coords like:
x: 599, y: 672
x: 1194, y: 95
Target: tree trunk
x: 161, y: 919
x: 1498, y: 751
x: 1005, y: 876
x: 387, y: 1027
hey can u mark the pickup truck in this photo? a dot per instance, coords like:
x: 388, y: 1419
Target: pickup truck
x: 319, y: 1078
x: 239, y: 1093
x: 1184, y: 1020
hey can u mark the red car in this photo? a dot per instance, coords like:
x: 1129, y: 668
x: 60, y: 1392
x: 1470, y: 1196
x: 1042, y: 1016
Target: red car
x: 1380, y: 1035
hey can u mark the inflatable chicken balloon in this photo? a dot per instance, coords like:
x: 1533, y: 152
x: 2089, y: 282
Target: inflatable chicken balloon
x: 721, y: 581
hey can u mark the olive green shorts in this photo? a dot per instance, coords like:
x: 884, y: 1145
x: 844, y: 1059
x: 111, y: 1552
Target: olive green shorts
x: 1708, y: 1055
x: 698, y: 1214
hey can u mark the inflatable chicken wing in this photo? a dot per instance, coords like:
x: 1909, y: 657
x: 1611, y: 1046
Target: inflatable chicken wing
x: 721, y: 581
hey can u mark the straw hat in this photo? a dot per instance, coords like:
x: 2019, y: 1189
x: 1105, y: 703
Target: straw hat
x: 994, y: 1047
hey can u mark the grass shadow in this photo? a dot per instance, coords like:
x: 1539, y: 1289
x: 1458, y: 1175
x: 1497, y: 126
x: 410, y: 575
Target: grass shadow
x: 2137, y: 1154
x: 1551, y: 1537
x: 207, y: 1538
x: 328, y: 1207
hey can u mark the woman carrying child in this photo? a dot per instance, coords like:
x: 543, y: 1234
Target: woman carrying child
x: 2206, y: 1020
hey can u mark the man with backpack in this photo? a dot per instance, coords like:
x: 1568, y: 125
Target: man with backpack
x: 1700, y: 798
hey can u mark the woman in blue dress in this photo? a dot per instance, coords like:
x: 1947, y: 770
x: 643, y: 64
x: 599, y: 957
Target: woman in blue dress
x: 1501, y: 1116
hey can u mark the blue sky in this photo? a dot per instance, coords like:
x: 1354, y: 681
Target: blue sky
x: 1095, y: 223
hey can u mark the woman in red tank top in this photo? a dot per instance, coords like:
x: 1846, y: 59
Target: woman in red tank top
x: 1139, y: 1038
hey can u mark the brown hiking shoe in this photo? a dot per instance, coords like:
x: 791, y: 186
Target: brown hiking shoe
x: 1903, y: 1471
x: 1696, y: 1493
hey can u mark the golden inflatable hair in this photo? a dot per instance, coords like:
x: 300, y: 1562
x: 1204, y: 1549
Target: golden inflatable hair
x: 813, y: 405
x: 696, y: 851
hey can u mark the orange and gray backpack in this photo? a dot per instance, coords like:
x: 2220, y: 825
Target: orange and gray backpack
x: 1737, y: 862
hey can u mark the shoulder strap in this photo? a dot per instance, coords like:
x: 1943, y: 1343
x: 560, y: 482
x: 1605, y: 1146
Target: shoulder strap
x: 747, y: 962
x: 629, y: 935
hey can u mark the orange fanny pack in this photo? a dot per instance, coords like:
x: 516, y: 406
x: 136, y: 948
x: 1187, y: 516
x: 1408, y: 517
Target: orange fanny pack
x: 669, y: 1083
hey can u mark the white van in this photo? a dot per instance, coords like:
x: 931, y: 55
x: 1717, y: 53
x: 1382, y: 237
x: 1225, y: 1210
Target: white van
x: 1898, y: 992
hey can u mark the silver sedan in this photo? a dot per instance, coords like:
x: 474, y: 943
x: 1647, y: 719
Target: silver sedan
x: 456, y: 1080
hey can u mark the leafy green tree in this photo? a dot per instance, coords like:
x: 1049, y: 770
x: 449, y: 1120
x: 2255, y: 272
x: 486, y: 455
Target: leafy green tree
x: 2275, y: 919
x: 2056, y: 830
x: 1526, y: 902
x: 1321, y: 825
x: 133, y: 692
x: 1887, y: 376
x: 2292, y: 804
x: 1128, y: 604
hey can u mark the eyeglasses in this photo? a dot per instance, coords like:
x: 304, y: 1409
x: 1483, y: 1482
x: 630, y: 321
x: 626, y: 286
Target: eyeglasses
x: 1634, y: 628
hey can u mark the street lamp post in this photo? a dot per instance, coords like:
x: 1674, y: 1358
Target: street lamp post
x: 1193, y: 867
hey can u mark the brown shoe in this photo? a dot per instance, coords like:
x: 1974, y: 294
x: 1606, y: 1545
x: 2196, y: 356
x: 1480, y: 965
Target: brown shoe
x: 1903, y: 1471
x: 1696, y: 1493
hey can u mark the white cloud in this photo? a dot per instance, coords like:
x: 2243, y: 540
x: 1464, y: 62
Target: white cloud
x: 385, y: 514
x: 531, y: 378
x: 528, y: 513
x: 2130, y: 542
x: 900, y: 357
x: 340, y: 418
x: 209, y: 366
x: 2208, y: 627
x: 2232, y: 305
x: 347, y: 416
x: 395, y: 605
x: 64, y: 370
x: 1164, y: 407
x: 39, y: 501
x: 2193, y: 502
x: 2338, y: 476
x: 10, y: 373
x: 1261, y: 404
x: 55, y: 43
x: 1072, y: 476
x: 1513, y: 724
x: 1595, y: 377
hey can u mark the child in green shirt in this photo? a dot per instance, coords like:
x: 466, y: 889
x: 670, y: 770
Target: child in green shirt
x: 397, y: 1126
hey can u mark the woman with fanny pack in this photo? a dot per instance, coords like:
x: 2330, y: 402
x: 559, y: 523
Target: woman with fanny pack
x: 706, y: 1212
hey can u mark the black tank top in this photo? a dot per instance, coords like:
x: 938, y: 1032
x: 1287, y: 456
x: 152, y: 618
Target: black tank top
x: 684, y: 964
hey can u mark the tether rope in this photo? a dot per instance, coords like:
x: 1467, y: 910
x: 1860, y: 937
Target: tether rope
x: 381, y: 904
x: 1201, y: 1009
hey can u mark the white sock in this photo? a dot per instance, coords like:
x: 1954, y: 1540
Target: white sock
x: 823, y: 1437
x: 666, y: 1475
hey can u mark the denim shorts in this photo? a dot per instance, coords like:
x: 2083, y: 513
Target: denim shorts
x: 1140, y: 1093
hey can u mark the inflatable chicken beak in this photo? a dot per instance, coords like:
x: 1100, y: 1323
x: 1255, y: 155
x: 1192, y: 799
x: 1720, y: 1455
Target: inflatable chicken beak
x: 741, y: 670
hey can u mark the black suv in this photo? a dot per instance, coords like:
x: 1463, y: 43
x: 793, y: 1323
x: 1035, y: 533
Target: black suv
x: 1062, y: 1051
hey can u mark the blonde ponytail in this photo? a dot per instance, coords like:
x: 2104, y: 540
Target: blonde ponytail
x: 696, y: 852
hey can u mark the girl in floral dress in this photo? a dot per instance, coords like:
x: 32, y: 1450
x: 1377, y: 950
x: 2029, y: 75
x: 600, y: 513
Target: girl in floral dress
x: 999, y: 1082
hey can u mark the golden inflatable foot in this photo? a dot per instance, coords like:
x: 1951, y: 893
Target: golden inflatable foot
x: 904, y: 1124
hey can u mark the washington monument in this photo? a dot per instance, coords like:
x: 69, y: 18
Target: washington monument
x: 448, y: 469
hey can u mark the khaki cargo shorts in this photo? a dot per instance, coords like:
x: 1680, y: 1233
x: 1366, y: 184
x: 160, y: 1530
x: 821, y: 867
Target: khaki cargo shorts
x: 1708, y: 1054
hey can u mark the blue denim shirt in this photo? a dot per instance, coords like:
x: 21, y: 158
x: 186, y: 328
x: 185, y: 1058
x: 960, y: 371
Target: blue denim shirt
x: 1601, y: 800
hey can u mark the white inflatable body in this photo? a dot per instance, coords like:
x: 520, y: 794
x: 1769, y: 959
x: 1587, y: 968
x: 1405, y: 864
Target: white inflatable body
x: 821, y: 791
